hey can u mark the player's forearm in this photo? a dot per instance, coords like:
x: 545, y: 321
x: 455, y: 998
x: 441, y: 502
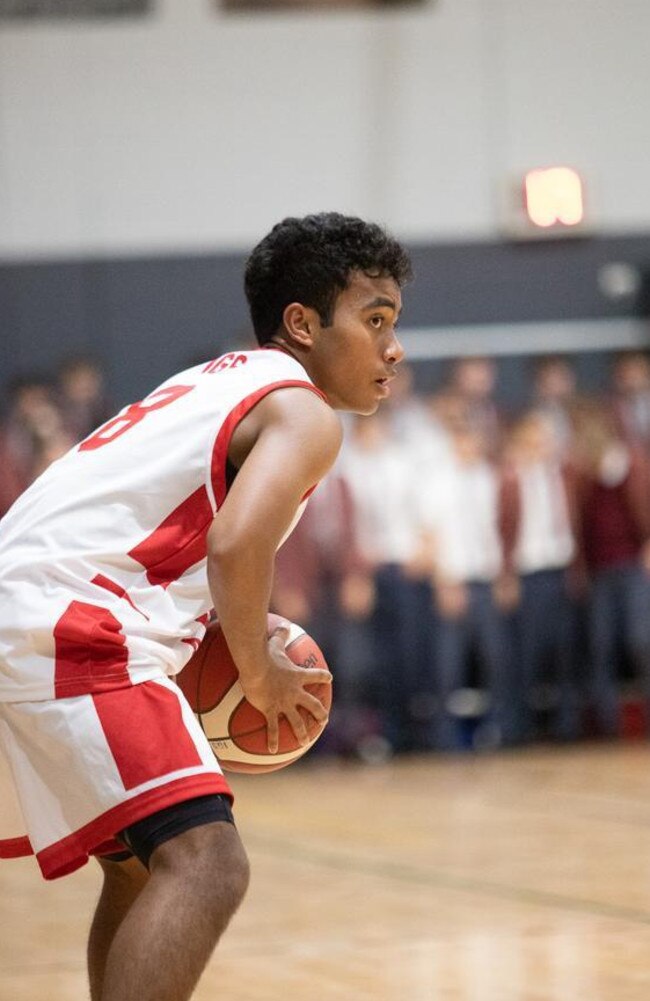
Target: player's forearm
x: 240, y: 578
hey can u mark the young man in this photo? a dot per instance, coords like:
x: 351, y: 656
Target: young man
x: 110, y: 565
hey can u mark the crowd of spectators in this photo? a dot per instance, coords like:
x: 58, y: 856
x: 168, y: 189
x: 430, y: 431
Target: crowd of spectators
x: 476, y: 579
x: 44, y: 416
x: 481, y: 580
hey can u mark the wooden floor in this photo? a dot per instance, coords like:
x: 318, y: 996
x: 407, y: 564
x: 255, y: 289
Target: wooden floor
x: 515, y: 877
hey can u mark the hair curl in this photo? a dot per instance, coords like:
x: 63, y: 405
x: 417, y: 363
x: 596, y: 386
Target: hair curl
x: 310, y: 261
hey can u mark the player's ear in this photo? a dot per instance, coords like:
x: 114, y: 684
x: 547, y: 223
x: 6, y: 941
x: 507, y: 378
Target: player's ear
x: 299, y: 323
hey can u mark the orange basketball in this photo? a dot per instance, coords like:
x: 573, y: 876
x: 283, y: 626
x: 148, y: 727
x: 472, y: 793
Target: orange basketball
x: 236, y: 730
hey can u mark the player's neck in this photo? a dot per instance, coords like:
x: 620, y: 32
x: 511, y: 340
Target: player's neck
x: 303, y: 357
x: 279, y: 345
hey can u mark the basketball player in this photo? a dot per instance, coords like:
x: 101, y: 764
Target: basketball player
x: 110, y: 565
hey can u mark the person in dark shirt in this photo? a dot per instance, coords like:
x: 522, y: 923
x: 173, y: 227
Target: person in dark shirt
x: 613, y: 503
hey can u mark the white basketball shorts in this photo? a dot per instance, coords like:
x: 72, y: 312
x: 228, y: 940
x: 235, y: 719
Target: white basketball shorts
x: 89, y: 766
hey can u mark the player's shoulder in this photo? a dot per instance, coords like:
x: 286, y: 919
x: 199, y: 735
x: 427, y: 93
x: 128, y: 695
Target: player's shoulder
x: 301, y: 405
x: 301, y: 421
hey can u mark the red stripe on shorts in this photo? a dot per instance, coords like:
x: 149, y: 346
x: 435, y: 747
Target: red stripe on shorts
x: 145, y: 732
x: 90, y: 651
x: 178, y: 542
x: 72, y: 851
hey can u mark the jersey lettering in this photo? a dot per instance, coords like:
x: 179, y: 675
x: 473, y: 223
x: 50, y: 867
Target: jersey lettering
x: 231, y: 360
x: 133, y: 414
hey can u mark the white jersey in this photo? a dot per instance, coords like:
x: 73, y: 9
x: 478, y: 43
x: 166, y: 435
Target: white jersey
x: 103, y: 579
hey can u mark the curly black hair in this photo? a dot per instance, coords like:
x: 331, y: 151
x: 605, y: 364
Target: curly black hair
x: 310, y: 261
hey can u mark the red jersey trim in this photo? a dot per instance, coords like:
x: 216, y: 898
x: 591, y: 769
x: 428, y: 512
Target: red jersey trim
x: 270, y: 346
x: 15, y: 847
x: 73, y: 851
x: 222, y: 443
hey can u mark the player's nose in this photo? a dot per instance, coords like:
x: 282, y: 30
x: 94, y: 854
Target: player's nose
x: 394, y: 351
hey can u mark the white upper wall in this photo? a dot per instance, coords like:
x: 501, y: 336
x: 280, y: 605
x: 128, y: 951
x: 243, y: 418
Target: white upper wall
x: 196, y: 130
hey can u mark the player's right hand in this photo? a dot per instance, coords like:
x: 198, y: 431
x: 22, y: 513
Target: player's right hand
x: 280, y: 691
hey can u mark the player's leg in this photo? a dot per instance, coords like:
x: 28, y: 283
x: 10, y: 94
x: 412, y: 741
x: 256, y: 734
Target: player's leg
x: 123, y: 881
x: 197, y: 880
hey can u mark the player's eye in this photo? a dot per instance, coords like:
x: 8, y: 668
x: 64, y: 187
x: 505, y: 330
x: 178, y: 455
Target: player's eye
x: 377, y: 321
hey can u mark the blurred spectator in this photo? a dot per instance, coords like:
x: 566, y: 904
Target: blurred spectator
x: 84, y: 402
x: 322, y: 583
x: 631, y: 397
x: 449, y: 410
x: 554, y: 395
x: 416, y: 426
x: 12, y: 477
x: 614, y: 515
x: 473, y: 380
x: 392, y: 543
x: 34, y: 433
x: 538, y: 519
x: 473, y: 592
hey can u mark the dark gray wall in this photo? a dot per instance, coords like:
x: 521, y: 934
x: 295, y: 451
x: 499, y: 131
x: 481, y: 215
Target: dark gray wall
x: 147, y: 317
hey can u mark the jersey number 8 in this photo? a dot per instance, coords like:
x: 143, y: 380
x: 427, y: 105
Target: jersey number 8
x: 132, y: 415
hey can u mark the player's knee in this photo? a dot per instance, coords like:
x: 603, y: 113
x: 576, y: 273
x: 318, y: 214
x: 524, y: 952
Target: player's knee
x: 212, y: 862
x: 232, y: 874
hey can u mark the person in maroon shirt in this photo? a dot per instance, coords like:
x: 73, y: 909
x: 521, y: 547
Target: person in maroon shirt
x: 613, y: 503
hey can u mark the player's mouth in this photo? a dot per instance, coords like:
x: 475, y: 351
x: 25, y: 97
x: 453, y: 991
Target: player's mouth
x: 383, y: 385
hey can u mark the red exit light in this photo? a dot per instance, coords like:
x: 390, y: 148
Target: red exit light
x: 554, y: 197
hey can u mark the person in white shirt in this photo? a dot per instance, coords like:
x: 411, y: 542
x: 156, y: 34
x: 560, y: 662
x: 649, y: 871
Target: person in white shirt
x: 391, y: 540
x: 459, y: 504
x: 538, y: 517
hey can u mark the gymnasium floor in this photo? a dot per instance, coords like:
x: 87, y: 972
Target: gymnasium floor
x: 514, y: 877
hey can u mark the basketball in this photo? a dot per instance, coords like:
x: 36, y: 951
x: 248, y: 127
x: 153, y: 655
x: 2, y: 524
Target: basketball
x: 236, y: 730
